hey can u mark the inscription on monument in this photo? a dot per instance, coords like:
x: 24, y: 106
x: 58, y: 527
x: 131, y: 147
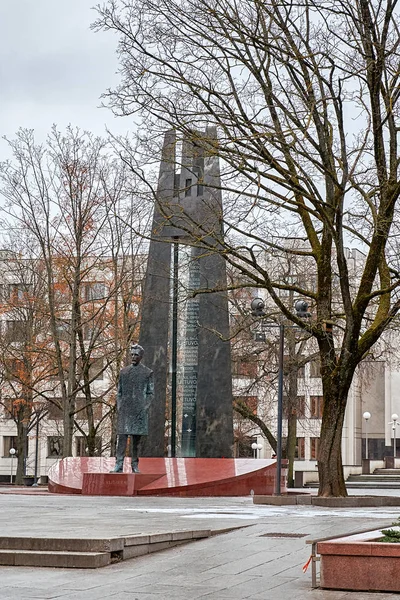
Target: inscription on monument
x: 190, y: 366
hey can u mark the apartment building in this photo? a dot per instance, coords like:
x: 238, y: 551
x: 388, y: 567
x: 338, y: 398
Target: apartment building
x: 61, y: 344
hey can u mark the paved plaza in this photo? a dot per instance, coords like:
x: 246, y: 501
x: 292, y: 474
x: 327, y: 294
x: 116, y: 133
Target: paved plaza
x: 253, y: 561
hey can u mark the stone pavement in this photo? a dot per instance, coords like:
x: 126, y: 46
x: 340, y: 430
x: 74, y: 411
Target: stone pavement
x: 248, y: 562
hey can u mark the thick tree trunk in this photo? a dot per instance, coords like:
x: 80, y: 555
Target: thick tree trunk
x: 292, y: 405
x: 330, y: 469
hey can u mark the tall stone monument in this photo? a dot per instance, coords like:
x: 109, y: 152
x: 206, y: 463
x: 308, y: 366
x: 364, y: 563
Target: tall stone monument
x: 188, y: 211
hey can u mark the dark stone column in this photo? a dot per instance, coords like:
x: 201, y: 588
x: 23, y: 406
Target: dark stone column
x: 154, y: 323
x: 214, y: 422
x: 214, y: 389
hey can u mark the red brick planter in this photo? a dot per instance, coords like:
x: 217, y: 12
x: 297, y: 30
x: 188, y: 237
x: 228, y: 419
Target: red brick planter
x: 359, y: 562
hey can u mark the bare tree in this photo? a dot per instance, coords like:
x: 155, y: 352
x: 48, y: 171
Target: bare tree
x: 66, y: 197
x: 24, y: 363
x: 305, y: 99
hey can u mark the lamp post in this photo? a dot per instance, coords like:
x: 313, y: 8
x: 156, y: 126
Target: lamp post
x: 366, y: 416
x: 394, y: 423
x: 256, y: 449
x: 35, y: 481
x: 257, y: 310
x: 12, y: 453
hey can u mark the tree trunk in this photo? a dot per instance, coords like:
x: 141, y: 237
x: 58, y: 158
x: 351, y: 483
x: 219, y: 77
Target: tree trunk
x: 292, y: 404
x: 21, y: 452
x: 331, y: 478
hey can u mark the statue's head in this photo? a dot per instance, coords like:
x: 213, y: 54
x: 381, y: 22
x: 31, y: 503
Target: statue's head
x: 136, y: 353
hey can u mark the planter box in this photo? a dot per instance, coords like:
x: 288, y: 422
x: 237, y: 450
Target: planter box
x: 359, y: 562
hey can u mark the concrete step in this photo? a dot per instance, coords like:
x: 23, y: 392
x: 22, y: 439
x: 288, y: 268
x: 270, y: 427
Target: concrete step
x: 62, y: 544
x: 365, y: 485
x: 387, y: 472
x: 94, y: 552
x: 385, y: 478
x: 378, y: 485
x: 75, y: 560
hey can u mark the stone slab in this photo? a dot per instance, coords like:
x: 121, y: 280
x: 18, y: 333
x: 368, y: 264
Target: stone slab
x: 348, y: 502
x: 75, y: 560
x: 62, y: 544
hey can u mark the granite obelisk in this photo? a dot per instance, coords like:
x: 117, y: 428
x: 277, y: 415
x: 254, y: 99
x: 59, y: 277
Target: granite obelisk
x: 188, y: 211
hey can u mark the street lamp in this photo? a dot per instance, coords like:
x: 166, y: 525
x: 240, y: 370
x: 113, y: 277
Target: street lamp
x: 394, y: 423
x: 366, y: 416
x: 256, y: 449
x: 12, y: 453
x: 257, y: 310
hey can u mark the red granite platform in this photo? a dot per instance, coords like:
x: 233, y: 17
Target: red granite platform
x: 116, y: 484
x: 169, y: 476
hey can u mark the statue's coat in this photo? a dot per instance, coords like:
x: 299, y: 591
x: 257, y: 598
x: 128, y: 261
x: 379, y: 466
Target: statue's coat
x: 135, y: 394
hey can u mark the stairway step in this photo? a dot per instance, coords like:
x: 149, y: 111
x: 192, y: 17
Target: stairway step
x: 74, y: 560
x: 373, y: 485
x: 387, y: 472
x: 376, y: 478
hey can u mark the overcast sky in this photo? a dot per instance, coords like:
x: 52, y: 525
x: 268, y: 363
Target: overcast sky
x: 53, y: 68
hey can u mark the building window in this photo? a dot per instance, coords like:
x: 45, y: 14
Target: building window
x: 297, y: 407
x: 245, y: 368
x: 81, y: 405
x: 54, y: 445
x: 63, y: 329
x: 188, y: 188
x: 95, y: 291
x: 54, y: 410
x: 92, y: 333
x: 81, y: 445
x: 16, y: 408
x: 314, y: 442
x: 96, y: 370
x: 315, y: 368
x: 250, y: 402
x: 316, y: 407
x: 17, y: 291
x: 8, y: 408
x: 9, y: 441
x: 4, y: 292
x: 62, y: 293
x: 300, y: 448
x: 291, y: 364
x: 15, y: 370
x: 15, y: 331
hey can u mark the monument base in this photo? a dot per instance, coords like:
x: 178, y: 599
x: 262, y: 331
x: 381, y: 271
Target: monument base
x: 116, y: 484
x: 185, y: 477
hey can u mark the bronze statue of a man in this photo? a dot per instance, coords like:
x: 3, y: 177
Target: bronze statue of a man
x: 135, y: 394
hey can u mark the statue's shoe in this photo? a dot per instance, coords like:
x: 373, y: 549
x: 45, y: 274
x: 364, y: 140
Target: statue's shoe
x: 117, y: 469
x: 135, y: 467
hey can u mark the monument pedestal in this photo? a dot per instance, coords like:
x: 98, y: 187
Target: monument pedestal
x: 116, y: 484
x: 185, y: 477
